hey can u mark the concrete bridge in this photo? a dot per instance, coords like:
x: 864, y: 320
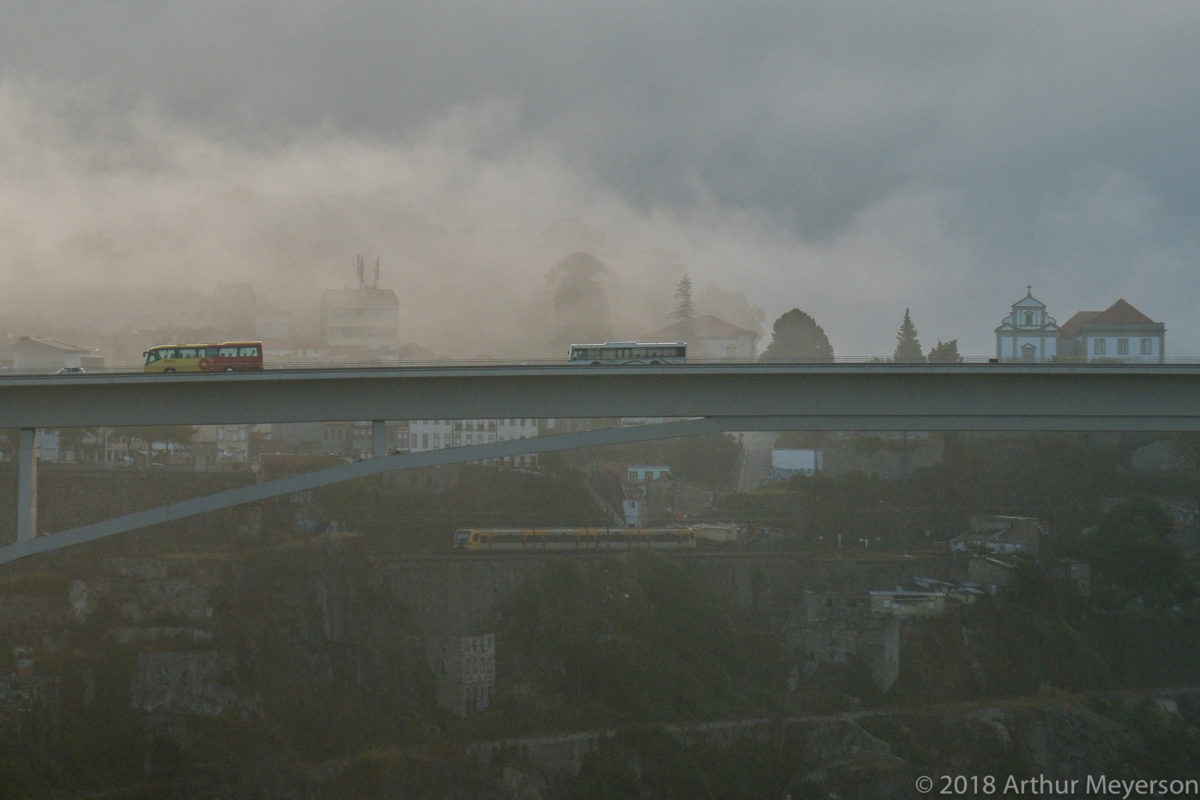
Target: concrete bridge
x: 699, y: 398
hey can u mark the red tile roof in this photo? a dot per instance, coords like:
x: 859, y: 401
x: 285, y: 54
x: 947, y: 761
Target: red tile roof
x: 1070, y: 328
x: 706, y: 326
x: 1122, y: 312
x: 1119, y: 313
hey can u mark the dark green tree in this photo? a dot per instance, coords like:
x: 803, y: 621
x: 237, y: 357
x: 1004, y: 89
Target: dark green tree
x: 685, y: 309
x: 945, y: 353
x: 1133, y: 552
x: 150, y: 435
x: 164, y: 434
x: 908, y: 346
x: 711, y: 460
x: 796, y: 336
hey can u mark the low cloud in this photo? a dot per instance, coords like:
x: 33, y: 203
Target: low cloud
x: 850, y: 162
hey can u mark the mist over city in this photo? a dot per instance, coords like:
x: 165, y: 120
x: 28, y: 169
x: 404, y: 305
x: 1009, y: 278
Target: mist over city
x: 849, y: 163
x: 578, y: 401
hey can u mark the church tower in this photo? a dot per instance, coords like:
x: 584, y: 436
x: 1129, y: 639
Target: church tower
x: 1028, y: 334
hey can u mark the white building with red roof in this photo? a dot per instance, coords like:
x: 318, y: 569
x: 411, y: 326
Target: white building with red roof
x: 1118, y: 333
x: 712, y: 338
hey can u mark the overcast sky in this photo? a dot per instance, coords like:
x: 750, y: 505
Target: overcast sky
x: 849, y: 159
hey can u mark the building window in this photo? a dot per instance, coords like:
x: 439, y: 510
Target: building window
x: 1123, y: 347
x: 1146, y: 347
x: 1100, y: 349
x: 1029, y: 318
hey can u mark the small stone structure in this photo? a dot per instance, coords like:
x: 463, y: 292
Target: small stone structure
x: 834, y: 627
x: 464, y: 672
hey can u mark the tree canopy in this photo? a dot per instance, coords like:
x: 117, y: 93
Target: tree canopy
x: 1133, y: 552
x: 796, y: 336
x: 908, y: 346
x: 945, y: 353
x: 580, y: 302
x: 166, y: 434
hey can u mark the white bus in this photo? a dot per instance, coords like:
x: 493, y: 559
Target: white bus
x: 629, y: 353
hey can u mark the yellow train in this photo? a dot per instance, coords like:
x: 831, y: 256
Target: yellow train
x: 573, y: 538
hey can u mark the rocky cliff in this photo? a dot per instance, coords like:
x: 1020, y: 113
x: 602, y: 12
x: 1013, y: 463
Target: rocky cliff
x: 297, y: 668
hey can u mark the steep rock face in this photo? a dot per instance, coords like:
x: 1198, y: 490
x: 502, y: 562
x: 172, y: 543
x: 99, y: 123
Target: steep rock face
x: 1069, y: 743
x: 826, y: 743
x: 876, y: 755
x: 193, y: 683
x: 169, y: 657
x: 298, y: 671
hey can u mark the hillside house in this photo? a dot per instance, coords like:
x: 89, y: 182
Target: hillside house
x: 644, y: 472
x: 1001, y: 535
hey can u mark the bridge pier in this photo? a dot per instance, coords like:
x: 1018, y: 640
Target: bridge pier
x: 27, y: 485
x: 379, y: 438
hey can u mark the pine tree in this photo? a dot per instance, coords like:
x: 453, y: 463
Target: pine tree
x: 685, y: 309
x: 908, y: 347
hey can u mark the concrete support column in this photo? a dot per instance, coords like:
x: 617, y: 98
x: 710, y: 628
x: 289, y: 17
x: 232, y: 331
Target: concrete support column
x: 27, y: 485
x: 379, y: 438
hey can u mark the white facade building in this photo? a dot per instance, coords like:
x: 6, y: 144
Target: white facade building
x: 30, y: 354
x: 362, y: 322
x: 435, y: 434
x: 1027, y: 334
x: 1118, y: 333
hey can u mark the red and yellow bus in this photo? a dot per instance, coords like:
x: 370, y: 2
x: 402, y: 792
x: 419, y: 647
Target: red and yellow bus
x: 224, y: 357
